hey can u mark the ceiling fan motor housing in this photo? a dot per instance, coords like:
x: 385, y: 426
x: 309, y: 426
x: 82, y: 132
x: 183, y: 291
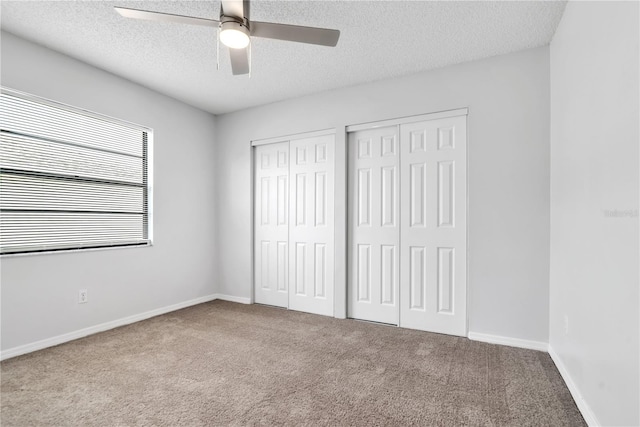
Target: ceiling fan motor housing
x: 234, y: 32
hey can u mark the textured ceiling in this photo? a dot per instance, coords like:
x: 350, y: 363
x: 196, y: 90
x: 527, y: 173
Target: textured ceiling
x: 379, y: 39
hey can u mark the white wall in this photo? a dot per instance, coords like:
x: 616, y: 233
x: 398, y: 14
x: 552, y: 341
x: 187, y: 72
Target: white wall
x: 594, y: 168
x: 40, y: 292
x: 508, y: 152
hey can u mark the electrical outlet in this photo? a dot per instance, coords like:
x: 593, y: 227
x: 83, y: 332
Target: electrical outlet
x: 82, y: 296
x: 566, y: 324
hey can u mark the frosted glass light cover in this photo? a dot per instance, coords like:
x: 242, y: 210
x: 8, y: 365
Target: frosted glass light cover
x: 234, y: 38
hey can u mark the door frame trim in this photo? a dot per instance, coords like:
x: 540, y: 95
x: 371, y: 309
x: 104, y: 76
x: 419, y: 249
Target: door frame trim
x: 410, y: 119
x: 290, y: 137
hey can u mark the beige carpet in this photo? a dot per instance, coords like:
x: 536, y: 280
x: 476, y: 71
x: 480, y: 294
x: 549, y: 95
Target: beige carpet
x: 222, y: 363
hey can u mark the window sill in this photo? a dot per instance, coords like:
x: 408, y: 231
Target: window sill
x: 74, y: 251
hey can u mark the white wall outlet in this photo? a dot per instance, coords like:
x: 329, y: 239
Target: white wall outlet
x: 566, y: 324
x: 82, y: 296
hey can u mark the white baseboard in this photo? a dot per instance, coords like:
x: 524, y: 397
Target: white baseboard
x: 60, y: 339
x: 511, y: 342
x: 584, y: 408
x: 232, y: 298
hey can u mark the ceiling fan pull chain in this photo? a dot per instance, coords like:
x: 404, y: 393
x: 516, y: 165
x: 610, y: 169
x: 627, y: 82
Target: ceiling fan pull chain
x: 218, y: 49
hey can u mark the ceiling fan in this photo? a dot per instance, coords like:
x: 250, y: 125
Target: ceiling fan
x: 236, y: 29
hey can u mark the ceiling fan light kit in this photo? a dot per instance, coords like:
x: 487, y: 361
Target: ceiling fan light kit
x: 235, y: 30
x: 233, y: 34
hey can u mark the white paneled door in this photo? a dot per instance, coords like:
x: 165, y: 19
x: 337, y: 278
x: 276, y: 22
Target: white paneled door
x: 433, y: 226
x: 294, y: 224
x: 311, y: 230
x: 271, y: 213
x: 374, y: 225
x: 407, y: 225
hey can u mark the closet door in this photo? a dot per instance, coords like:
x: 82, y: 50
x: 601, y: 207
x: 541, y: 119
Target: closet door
x: 373, y: 250
x: 311, y: 229
x: 433, y: 226
x: 271, y: 224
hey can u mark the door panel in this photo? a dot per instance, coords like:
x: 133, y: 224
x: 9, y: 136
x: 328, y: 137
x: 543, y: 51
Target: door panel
x: 433, y: 226
x: 373, y: 240
x: 271, y: 253
x: 311, y: 232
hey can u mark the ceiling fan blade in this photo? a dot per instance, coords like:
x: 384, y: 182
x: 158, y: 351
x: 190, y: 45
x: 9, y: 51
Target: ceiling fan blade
x: 234, y: 8
x: 295, y: 33
x: 165, y: 17
x: 239, y: 61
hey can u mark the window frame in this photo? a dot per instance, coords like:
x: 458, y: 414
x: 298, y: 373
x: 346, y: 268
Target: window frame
x: 148, y: 158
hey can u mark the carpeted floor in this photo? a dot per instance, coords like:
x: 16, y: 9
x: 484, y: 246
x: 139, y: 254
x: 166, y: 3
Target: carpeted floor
x: 222, y: 363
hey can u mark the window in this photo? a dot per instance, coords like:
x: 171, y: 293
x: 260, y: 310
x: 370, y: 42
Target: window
x: 69, y: 178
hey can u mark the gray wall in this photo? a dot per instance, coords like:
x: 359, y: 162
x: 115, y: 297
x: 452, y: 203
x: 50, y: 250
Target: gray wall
x: 508, y: 153
x: 40, y: 292
x: 594, y: 169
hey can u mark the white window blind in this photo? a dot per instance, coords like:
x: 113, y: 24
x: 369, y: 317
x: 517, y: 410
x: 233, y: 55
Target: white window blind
x: 69, y: 178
